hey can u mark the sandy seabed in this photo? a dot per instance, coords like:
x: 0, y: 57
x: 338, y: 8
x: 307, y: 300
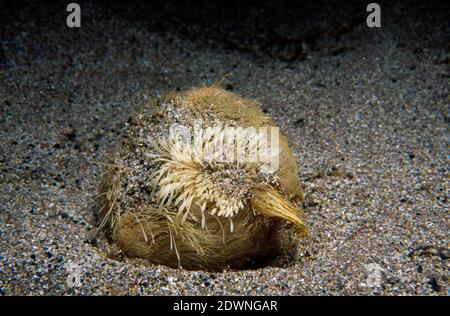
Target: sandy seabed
x: 366, y: 113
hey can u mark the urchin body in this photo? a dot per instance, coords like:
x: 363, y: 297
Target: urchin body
x: 162, y: 200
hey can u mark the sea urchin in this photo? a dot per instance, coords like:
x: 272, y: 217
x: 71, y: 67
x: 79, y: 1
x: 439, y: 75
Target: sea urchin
x: 202, y: 180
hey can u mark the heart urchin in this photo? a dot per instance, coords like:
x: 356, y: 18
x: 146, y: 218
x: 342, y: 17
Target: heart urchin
x: 200, y: 181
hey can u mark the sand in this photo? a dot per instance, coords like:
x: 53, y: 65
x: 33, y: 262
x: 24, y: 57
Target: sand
x: 366, y: 111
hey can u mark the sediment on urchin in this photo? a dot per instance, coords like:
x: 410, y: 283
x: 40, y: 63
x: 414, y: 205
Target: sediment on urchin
x: 160, y: 198
x: 187, y: 177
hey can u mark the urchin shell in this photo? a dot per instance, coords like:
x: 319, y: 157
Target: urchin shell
x: 162, y: 201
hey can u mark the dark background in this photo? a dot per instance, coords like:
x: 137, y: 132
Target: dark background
x: 276, y: 28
